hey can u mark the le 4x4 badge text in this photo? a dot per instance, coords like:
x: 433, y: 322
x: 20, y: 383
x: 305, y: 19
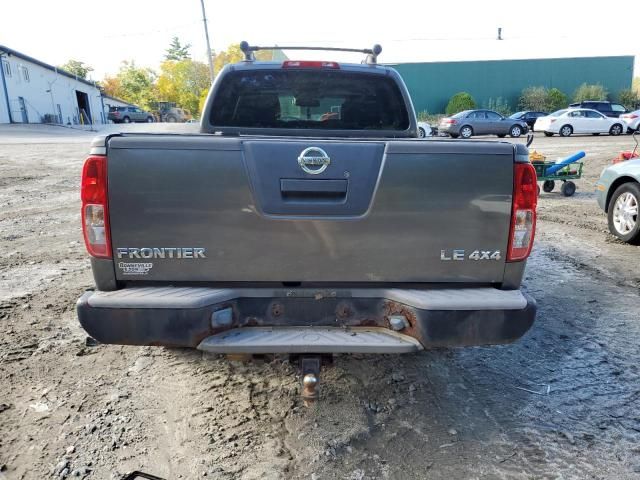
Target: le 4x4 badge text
x: 461, y: 255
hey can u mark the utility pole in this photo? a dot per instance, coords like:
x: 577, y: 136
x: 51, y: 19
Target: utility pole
x: 206, y: 34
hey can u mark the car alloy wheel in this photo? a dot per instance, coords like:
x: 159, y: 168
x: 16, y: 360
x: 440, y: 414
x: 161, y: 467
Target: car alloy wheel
x: 616, y: 130
x: 421, y: 132
x: 566, y: 131
x: 516, y: 131
x: 466, y: 132
x: 625, y: 213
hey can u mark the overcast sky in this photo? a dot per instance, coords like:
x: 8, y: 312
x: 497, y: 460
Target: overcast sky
x: 103, y: 33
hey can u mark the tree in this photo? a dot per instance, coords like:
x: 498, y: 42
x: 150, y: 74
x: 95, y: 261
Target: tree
x: 177, y: 51
x: 459, y: 102
x: 590, y: 92
x: 541, y: 99
x: 533, y: 98
x: 183, y: 82
x: 629, y: 98
x: 132, y: 84
x: 112, y: 86
x: 556, y: 100
x: 77, y: 68
x: 233, y: 54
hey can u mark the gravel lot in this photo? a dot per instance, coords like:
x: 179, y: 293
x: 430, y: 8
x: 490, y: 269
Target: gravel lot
x: 561, y: 403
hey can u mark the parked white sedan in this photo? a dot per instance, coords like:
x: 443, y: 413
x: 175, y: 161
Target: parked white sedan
x: 424, y: 130
x: 579, y: 120
x: 632, y: 119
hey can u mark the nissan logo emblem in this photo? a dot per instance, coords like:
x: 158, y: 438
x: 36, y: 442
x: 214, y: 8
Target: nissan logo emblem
x: 314, y: 160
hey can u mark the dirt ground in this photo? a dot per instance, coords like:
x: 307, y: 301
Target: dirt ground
x: 561, y: 403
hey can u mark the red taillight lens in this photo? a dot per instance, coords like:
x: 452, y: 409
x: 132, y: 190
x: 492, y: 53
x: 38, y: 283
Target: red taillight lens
x: 95, y: 214
x: 523, y: 213
x: 633, y: 117
x: 309, y: 64
x: 450, y: 121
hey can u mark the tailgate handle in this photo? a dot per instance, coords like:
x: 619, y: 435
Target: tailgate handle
x: 296, y: 189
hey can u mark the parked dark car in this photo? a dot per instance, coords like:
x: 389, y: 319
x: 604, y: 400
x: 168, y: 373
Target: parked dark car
x: 481, y: 122
x: 528, y: 116
x: 606, y: 108
x: 129, y: 114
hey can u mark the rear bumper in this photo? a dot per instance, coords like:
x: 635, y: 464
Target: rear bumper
x: 185, y: 317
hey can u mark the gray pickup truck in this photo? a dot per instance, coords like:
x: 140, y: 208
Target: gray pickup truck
x: 307, y: 217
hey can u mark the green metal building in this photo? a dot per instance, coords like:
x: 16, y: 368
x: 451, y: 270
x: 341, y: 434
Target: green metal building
x: 432, y: 84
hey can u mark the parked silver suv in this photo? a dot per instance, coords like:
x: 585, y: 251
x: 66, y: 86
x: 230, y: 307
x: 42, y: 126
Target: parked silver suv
x: 129, y: 114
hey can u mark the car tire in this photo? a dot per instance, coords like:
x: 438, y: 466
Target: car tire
x: 515, y: 131
x: 566, y: 131
x: 595, y: 134
x: 453, y: 135
x: 622, y: 222
x: 548, y: 186
x: 421, y: 132
x: 568, y: 189
x: 149, y: 119
x: 548, y: 134
x: 615, y: 130
x: 466, y: 131
x: 171, y: 119
x: 501, y: 135
x: 126, y: 120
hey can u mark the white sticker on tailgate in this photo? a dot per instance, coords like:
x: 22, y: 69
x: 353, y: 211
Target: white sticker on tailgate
x: 135, y: 268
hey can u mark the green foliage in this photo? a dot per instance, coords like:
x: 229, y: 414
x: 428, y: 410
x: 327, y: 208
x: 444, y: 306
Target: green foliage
x: 590, y: 92
x: 132, y: 84
x: 629, y: 98
x: 541, y: 99
x: 534, y: 98
x: 459, y: 102
x: 499, y: 105
x: 77, y: 68
x: 422, y: 116
x: 635, y: 85
x: 183, y: 82
x: 556, y: 100
x: 431, y: 118
x: 177, y: 51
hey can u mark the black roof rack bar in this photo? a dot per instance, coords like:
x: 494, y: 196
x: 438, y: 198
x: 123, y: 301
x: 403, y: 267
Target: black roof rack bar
x: 372, y: 53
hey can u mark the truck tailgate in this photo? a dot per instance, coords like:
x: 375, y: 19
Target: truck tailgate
x: 211, y: 208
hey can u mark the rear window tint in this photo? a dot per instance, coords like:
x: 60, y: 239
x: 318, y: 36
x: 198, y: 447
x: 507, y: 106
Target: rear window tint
x: 313, y: 99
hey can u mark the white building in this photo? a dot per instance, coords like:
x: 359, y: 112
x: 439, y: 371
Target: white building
x: 32, y: 91
x: 109, y: 102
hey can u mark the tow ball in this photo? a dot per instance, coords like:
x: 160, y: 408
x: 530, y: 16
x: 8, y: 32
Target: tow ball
x: 310, y: 369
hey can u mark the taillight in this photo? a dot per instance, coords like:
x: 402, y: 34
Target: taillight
x: 523, y: 213
x: 95, y: 212
x: 309, y: 64
x: 633, y: 116
x: 450, y: 121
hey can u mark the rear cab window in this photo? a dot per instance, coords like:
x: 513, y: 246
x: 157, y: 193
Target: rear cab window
x: 309, y: 99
